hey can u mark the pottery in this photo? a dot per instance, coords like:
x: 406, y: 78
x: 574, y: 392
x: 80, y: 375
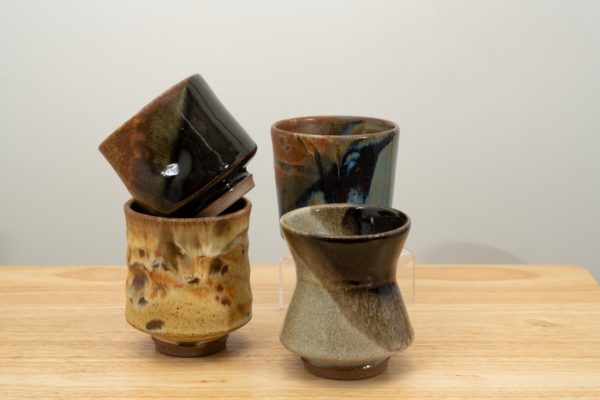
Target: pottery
x: 188, y: 282
x: 183, y: 154
x: 346, y: 317
x: 334, y: 159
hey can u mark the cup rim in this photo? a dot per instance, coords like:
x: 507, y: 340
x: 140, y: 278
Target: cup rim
x: 154, y: 218
x: 345, y: 238
x: 275, y: 128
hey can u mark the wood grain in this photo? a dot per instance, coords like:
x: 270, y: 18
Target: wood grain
x: 498, y: 331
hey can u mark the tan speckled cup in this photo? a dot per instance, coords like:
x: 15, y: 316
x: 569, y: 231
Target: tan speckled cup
x: 188, y: 282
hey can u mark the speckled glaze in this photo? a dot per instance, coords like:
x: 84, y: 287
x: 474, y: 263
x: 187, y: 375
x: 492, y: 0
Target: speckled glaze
x: 188, y: 282
x: 334, y: 159
x: 347, y: 316
x: 182, y: 152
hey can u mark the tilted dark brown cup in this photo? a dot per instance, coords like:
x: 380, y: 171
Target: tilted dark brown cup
x: 183, y: 154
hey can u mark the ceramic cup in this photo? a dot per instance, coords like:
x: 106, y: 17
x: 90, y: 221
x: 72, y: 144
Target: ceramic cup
x: 346, y: 317
x: 183, y: 154
x: 334, y: 159
x: 188, y: 282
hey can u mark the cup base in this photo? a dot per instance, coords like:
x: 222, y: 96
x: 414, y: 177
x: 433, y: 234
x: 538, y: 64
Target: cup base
x: 190, y: 349
x: 228, y: 198
x: 347, y: 373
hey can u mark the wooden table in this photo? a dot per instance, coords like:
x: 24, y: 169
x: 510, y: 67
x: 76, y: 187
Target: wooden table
x: 481, y: 332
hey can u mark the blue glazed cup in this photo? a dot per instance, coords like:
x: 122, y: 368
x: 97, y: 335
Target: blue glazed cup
x: 334, y: 159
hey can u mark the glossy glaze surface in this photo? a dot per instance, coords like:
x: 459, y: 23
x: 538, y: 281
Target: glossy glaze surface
x: 188, y: 278
x: 334, y: 159
x: 347, y: 310
x: 180, y: 152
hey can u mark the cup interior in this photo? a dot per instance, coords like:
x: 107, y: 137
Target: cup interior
x: 335, y: 126
x: 345, y: 221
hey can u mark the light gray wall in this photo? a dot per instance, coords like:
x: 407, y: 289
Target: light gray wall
x: 498, y: 104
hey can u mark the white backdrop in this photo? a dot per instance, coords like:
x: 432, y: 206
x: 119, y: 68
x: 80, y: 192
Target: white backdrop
x: 498, y: 104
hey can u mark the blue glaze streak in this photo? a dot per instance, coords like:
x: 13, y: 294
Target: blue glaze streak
x: 350, y: 181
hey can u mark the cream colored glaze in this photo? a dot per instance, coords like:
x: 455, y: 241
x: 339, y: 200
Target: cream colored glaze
x: 188, y: 279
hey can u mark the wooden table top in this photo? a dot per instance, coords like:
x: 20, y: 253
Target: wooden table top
x: 481, y: 332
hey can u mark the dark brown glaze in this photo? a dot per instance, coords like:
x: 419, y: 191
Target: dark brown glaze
x: 346, y: 255
x: 376, y: 235
x: 215, y: 266
x: 181, y: 152
x: 154, y: 324
x: 334, y: 159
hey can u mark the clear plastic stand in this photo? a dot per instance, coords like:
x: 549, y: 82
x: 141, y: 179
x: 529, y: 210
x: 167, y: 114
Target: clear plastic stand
x: 405, y: 275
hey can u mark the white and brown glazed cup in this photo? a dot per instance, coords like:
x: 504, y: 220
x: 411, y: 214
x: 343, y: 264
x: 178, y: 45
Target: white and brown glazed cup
x: 188, y: 283
x: 346, y: 317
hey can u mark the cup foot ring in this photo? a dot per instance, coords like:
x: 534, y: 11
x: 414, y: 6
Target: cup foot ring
x: 350, y: 373
x: 190, y: 349
x: 228, y: 198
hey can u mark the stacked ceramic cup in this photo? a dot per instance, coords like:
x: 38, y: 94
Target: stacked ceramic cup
x: 334, y: 179
x: 183, y: 159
